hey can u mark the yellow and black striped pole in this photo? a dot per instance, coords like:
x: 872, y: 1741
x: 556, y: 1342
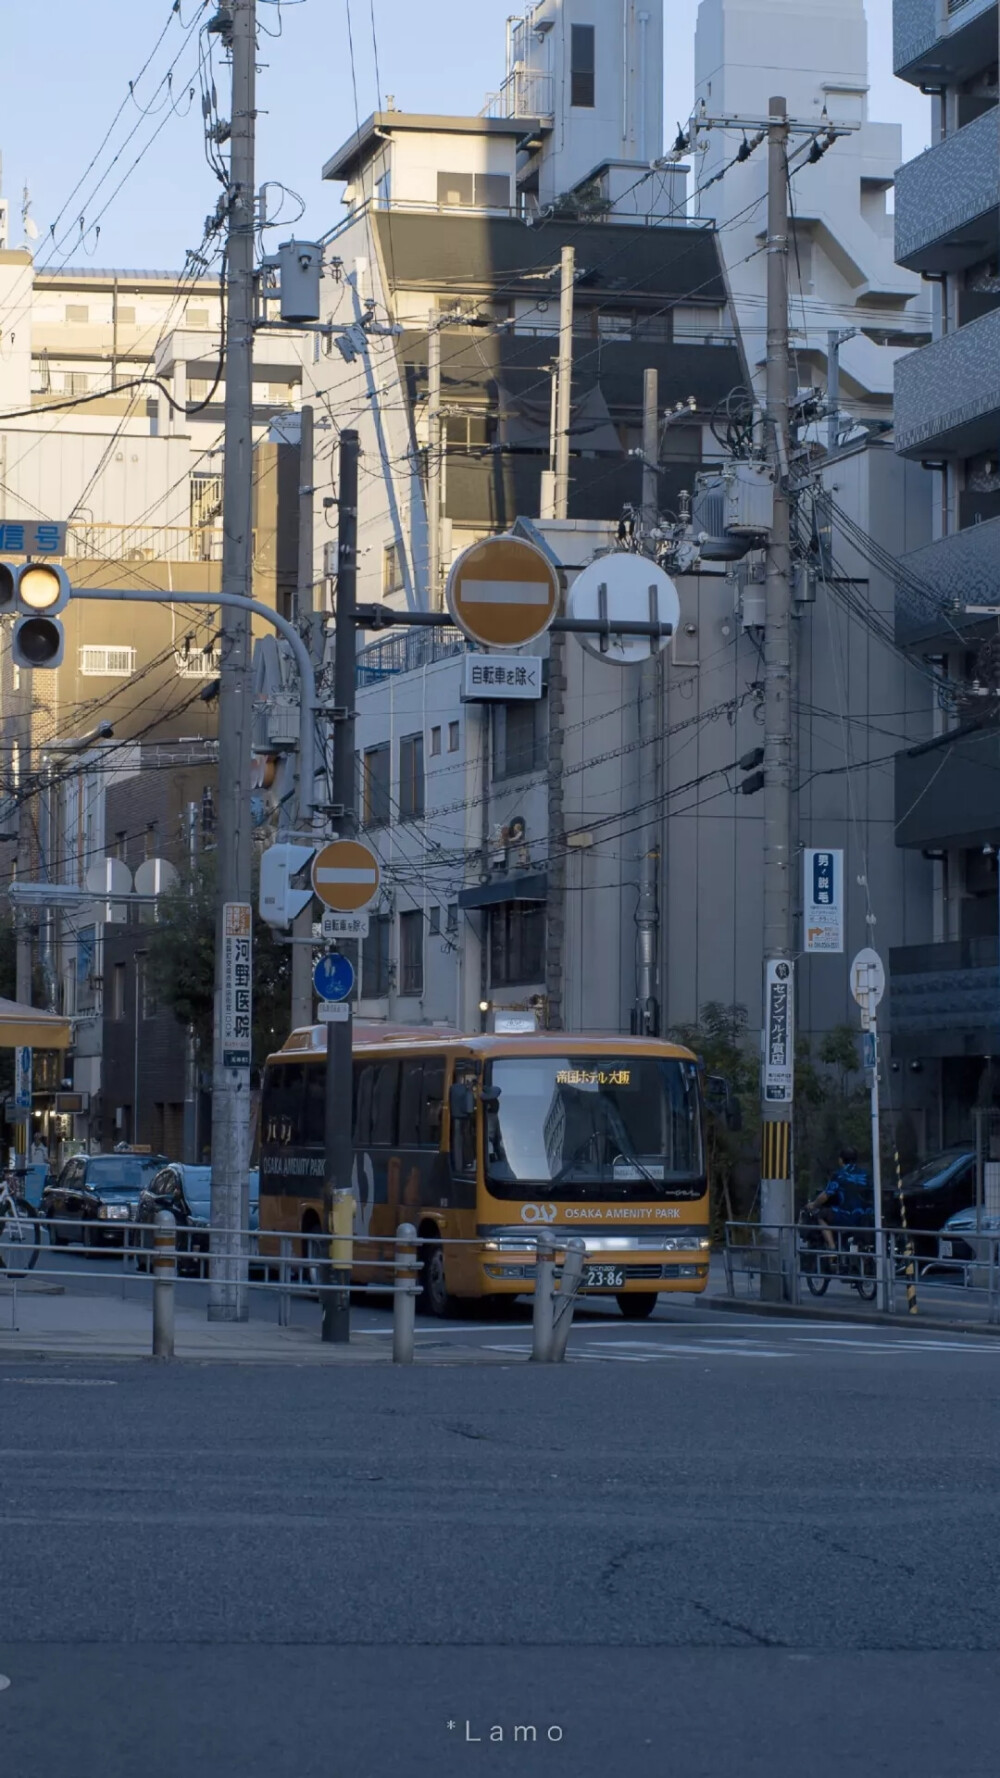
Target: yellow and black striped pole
x: 910, y: 1264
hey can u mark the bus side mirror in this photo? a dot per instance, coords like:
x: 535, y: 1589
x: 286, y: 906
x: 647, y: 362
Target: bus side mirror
x: 461, y: 1101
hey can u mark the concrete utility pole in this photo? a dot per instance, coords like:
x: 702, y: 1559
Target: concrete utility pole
x: 647, y: 918
x: 555, y: 912
x: 339, y: 1134
x: 302, y: 990
x: 434, y: 464
x: 777, y: 1087
x: 191, y: 1154
x: 564, y: 381
x: 231, y: 1060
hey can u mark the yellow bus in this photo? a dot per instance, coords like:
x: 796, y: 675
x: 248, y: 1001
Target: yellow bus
x: 486, y: 1139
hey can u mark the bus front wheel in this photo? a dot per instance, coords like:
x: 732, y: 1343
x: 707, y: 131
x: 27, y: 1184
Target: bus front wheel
x: 435, y: 1298
x: 637, y: 1305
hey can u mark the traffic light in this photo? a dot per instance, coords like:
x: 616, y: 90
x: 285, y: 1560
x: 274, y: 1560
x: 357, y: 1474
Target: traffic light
x: 33, y: 593
x: 749, y: 763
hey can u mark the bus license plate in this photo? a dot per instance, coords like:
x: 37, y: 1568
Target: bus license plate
x: 604, y: 1278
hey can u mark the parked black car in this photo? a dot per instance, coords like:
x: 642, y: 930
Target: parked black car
x: 186, y: 1192
x: 933, y: 1192
x: 94, y: 1195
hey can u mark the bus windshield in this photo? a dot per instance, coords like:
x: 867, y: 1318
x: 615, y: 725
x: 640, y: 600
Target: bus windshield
x: 593, y: 1127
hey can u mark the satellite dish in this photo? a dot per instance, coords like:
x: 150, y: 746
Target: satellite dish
x: 109, y: 876
x: 625, y: 584
x: 31, y: 228
x: 154, y: 876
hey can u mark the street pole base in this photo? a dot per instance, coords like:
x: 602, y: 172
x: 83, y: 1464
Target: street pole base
x: 772, y: 1288
x: 336, y: 1324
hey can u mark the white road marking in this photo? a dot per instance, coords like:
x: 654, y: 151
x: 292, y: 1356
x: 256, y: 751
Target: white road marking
x: 63, y: 1382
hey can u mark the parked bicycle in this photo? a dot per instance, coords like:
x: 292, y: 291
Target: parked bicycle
x: 852, y: 1257
x: 20, y: 1232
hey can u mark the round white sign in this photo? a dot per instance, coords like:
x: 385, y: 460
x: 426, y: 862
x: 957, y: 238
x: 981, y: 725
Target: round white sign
x: 631, y: 589
x: 867, y: 978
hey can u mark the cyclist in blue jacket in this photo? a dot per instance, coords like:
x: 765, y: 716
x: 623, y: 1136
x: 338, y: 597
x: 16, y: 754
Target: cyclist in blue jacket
x: 846, y: 1201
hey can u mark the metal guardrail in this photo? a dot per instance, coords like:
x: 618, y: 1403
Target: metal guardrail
x: 793, y: 1263
x: 305, y: 1265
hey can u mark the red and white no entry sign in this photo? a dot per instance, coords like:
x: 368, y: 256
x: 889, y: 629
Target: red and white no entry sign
x: 345, y: 875
x: 503, y: 592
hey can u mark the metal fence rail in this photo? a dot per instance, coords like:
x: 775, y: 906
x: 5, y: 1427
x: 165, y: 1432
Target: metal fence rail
x: 794, y: 1263
x: 306, y: 1265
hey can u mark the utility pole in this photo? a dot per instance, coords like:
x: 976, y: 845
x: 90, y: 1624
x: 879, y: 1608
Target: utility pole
x: 434, y: 464
x: 564, y: 381
x: 777, y: 1079
x: 647, y: 918
x: 233, y: 1032
x: 191, y: 1154
x: 302, y: 989
x: 22, y: 929
x: 339, y: 1134
x: 555, y: 912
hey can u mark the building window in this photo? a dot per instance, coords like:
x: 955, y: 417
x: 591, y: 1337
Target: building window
x: 453, y: 737
x: 78, y: 313
x: 518, y: 739
x: 435, y: 742
x: 411, y: 952
x: 76, y: 382
x: 492, y: 191
x: 148, y: 1004
x: 125, y: 315
x: 411, y: 777
x: 392, y: 569
x: 517, y: 943
x: 118, y: 991
x: 581, y: 67
x: 434, y: 922
x: 456, y: 190
x: 375, y: 958
x: 451, y: 924
x: 107, y: 663
x: 197, y: 318
x: 375, y: 797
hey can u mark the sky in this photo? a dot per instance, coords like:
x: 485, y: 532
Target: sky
x: 432, y: 55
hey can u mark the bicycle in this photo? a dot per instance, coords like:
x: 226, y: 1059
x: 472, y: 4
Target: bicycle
x: 20, y: 1233
x: 852, y: 1259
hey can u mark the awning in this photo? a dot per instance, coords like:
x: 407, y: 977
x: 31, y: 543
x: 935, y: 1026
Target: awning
x: 28, y: 1026
x: 533, y: 887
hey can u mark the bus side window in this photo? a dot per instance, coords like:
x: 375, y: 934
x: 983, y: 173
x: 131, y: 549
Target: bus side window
x: 410, y: 1097
x: 433, y: 1102
x: 284, y: 1107
x: 363, y: 1111
x: 385, y: 1098
x: 314, y: 1123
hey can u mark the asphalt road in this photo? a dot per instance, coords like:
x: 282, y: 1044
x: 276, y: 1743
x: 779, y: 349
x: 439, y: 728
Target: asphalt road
x: 706, y: 1546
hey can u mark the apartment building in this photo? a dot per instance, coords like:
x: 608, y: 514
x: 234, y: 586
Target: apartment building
x: 508, y: 880
x: 945, y: 992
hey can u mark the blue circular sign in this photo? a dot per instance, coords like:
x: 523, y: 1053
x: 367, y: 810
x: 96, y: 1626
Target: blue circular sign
x: 333, y: 976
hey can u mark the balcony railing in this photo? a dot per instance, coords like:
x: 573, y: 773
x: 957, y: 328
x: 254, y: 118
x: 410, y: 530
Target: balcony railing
x: 948, y: 793
x: 948, y: 394
x: 144, y: 543
x: 938, y: 582
x: 945, y: 998
x: 946, y: 199
x: 943, y: 40
x: 523, y: 94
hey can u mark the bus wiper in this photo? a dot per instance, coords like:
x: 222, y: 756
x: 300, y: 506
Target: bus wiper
x: 620, y: 1133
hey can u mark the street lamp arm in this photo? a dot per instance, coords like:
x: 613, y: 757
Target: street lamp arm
x: 307, y: 677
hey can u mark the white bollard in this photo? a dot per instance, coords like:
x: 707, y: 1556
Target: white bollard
x: 164, y: 1278
x: 404, y: 1301
x: 569, y: 1285
x: 543, y: 1309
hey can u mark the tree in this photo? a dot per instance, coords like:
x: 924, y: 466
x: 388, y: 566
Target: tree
x: 720, y: 1040
x: 832, y: 1107
x: 181, y: 967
